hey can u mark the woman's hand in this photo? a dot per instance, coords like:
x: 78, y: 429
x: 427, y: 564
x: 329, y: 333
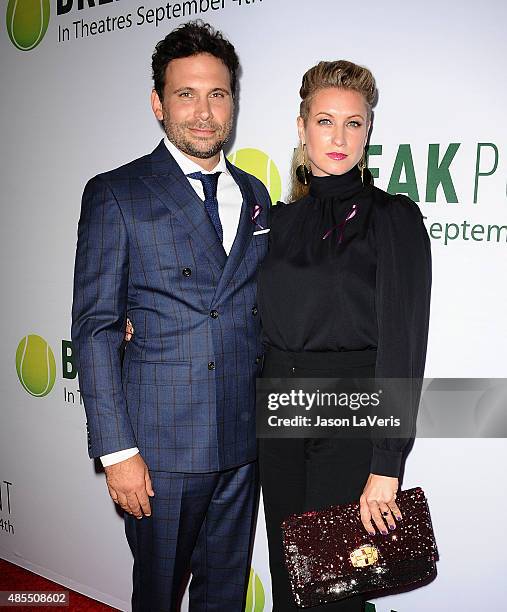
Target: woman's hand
x: 129, y: 330
x: 378, y: 503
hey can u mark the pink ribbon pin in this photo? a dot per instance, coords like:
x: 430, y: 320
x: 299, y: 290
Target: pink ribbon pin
x: 257, y: 209
x: 341, y: 226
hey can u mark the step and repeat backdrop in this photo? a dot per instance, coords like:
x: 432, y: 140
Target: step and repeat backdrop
x: 75, y: 92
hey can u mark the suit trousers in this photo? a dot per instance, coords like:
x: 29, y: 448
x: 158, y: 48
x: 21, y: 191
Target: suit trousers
x: 200, y: 523
x: 298, y: 475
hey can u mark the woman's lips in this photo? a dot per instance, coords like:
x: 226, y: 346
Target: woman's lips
x: 336, y: 156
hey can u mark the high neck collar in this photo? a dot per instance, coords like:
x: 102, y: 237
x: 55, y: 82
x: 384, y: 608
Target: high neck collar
x: 341, y: 186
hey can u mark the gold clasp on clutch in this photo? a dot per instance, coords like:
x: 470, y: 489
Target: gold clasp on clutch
x: 364, y: 555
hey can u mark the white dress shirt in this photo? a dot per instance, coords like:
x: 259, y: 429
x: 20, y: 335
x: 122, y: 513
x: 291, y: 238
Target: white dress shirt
x: 229, y: 209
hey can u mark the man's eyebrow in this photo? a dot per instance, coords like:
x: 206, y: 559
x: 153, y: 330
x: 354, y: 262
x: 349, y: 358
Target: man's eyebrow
x: 183, y: 89
x: 180, y: 89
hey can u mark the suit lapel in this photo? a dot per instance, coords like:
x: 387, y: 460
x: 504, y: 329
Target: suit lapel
x: 171, y: 186
x: 244, y: 232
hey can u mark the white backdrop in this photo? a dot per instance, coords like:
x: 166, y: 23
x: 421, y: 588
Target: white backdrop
x: 72, y: 108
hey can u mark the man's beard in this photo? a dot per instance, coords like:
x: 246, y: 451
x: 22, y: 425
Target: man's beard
x: 176, y: 134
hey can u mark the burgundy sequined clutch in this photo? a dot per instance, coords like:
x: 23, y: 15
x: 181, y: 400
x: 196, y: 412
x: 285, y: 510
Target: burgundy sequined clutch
x: 330, y: 556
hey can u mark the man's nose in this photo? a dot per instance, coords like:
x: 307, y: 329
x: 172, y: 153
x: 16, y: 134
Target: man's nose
x: 203, y: 109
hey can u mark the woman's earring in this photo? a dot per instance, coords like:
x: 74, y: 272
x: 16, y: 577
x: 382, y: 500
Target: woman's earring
x: 362, y: 165
x: 303, y: 173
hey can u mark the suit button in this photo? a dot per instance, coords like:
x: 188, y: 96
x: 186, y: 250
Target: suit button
x: 254, y: 311
x: 257, y: 359
x: 214, y: 314
x: 211, y: 365
x: 186, y: 272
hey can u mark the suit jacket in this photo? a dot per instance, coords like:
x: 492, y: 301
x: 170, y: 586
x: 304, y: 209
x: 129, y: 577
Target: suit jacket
x: 184, y: 393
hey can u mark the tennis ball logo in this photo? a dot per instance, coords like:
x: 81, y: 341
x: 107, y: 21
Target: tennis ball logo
x: 259, y: 164
x: 255, y: 598
x: 27, y: 22
x: 35, y: 365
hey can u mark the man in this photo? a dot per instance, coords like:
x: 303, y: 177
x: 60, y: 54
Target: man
x: 168, y: 240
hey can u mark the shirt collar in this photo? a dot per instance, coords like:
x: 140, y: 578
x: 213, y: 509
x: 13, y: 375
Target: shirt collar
x: 188, y: 166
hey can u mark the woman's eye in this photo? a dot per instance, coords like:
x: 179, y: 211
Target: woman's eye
x: 355, y: 123
x: 324, y: 122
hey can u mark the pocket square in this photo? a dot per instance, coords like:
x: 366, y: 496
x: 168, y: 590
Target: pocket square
x: 262, y: 231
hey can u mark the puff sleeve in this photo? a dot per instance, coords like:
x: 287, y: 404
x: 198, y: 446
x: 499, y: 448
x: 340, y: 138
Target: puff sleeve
x: 402, y: 302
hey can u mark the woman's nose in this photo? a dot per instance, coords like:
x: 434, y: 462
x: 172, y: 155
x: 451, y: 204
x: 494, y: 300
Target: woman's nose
x: 339, y: 137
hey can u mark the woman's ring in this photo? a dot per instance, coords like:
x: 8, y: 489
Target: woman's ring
x: 385, y: 513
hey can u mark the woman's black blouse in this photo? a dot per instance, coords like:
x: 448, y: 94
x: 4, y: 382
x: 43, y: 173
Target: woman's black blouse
x: 349, y: 268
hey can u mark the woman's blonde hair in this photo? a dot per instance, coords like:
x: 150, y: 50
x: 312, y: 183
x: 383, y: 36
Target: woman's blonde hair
x: 341, y: 74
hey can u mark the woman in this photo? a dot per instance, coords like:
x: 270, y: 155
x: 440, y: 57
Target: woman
x: 344, y: 291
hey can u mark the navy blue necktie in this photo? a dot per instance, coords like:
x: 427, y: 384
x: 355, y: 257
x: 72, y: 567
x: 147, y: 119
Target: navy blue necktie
x: 209, y: 184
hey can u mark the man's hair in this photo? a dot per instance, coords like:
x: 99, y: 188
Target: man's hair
x: 189, y: 39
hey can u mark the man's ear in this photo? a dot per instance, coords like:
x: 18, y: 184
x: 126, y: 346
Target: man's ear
x: 156, y: 105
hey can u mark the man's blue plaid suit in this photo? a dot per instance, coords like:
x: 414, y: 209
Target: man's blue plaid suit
x: 184, y: 393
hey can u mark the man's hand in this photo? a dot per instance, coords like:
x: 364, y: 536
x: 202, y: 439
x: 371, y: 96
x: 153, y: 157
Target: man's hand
x: 129, y: 485
x: 377, y: 502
